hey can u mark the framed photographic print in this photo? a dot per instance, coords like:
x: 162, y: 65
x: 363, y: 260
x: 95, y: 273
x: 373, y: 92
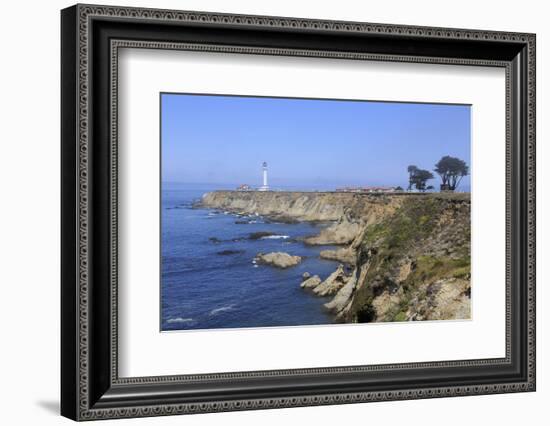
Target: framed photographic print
x: 263, y: 212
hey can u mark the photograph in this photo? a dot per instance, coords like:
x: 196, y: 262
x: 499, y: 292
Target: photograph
x: 273, y: 208
x: 280, y: 211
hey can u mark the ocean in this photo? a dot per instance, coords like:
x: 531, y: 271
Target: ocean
x: 209, y: 280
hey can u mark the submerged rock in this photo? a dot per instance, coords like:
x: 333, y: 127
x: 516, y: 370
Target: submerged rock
x: 260, y: 234
x: 278, y: 259
x: 229, y: 252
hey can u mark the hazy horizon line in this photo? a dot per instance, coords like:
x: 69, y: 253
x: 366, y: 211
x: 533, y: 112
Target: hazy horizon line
x: 232, y: 185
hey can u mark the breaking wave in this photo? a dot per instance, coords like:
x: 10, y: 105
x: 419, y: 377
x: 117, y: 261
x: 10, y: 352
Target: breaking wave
x: 180, y: 320
x: 275, y: 237
x: 222, y: 309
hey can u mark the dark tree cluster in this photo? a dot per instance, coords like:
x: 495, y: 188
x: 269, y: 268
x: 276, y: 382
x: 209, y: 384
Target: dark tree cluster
x: 418, y: 178
x: 450, y: 169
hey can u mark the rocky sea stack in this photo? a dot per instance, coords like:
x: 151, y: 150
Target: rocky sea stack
x: 278, y: 259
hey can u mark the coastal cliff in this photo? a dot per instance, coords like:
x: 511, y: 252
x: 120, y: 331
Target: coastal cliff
x: 348, y: 213
x: 407, y: 256
x: 299, y: 206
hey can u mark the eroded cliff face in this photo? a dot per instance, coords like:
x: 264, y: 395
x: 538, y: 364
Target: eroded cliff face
x: 413, y: 265
x: 407, y: 256
x: 351, y: 213
x: 301, y: 206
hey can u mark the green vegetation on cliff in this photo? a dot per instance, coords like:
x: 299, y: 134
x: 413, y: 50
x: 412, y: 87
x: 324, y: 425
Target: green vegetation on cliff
x: 416, y: 258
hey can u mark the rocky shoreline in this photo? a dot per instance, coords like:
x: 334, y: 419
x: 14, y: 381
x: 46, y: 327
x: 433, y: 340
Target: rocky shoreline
x: 401, y: 258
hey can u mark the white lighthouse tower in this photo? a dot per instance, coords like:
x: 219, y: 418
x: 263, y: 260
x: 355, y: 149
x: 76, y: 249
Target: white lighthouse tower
x: 265, y: 186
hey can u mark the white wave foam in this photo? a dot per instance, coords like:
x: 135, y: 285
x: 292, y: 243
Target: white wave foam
x: 222, y: 309
x: 275, y: 237
x: 180, y: 320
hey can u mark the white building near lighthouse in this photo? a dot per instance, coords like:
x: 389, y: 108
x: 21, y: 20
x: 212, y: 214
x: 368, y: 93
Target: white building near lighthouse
x: 265, y: 186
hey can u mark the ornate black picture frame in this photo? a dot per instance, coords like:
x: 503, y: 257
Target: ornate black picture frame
x: 91, y: 36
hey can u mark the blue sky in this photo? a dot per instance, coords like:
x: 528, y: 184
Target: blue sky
x: 308, y: 144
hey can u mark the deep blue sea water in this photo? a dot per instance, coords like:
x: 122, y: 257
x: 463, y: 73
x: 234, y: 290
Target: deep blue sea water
x: 202, y: 289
